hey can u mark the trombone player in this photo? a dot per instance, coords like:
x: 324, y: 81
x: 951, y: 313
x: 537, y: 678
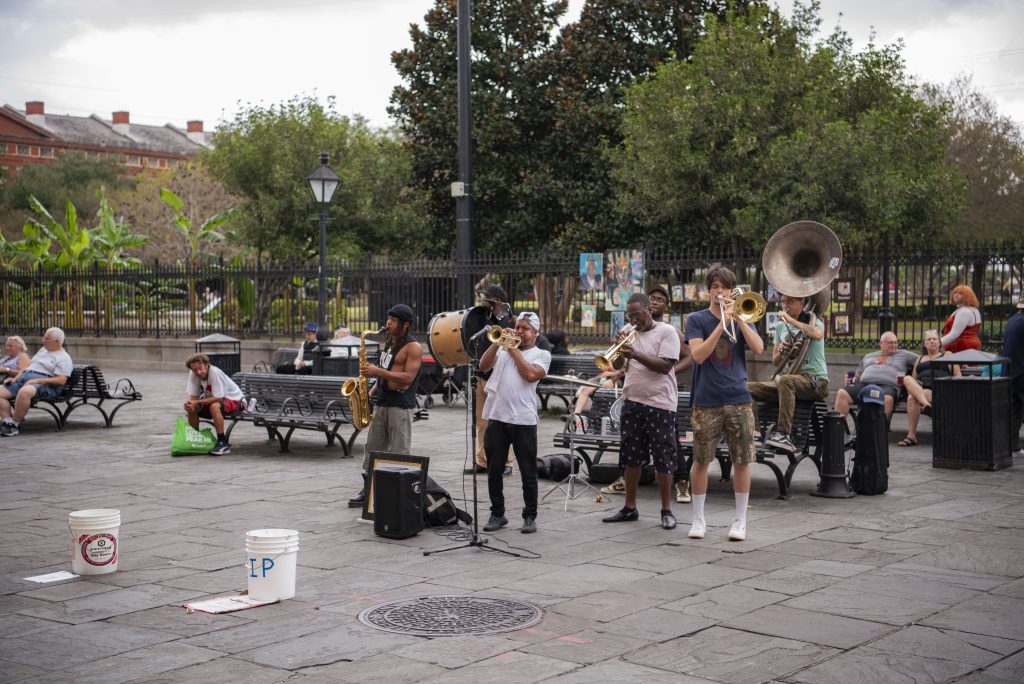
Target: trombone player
x: 808, y: 382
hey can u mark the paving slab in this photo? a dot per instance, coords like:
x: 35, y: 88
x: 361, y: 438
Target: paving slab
x: 922, y: 583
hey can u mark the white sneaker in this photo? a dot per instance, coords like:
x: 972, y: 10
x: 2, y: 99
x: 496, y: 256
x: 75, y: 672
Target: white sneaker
x: 683, y: 491
x: 697, y: 528
x: 738, y: 531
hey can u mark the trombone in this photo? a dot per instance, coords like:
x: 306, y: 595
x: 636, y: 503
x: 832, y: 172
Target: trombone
x: 747, y: 306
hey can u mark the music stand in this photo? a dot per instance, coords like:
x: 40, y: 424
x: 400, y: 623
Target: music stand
x: 475, y: 541
x: 569, y: 484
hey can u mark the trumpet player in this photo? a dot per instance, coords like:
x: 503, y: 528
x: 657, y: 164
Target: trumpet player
x: 720, y: 398
x: 394, y: 393
x: 511, y: 412
x: 499, y: 313
x: 809, y: 382
x: 648, y: 425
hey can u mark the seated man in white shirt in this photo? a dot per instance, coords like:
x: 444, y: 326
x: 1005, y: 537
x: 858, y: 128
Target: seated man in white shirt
x: 44, y: 377
x: 212, y: 395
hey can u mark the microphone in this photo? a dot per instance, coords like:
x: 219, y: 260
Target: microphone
x: 482, y: 331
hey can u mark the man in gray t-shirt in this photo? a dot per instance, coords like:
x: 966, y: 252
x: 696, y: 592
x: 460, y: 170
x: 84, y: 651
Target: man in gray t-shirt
x: 883, y: 368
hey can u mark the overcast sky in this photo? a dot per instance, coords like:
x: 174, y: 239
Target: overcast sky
x: 170, y: 62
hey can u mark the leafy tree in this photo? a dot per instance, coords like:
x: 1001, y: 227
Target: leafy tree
x: 988, y: 149
x: 201, y: 194
x: 72, y: 177
x: 511, y: 114
x: 762, y: 127
x: 110, y: 237
x: 264, y: 156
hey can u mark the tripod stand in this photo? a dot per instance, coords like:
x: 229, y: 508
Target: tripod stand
x: 476, y: 541
x: 569, y: 485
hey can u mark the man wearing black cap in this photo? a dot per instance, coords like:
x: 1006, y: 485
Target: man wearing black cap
x: 394, y: 394
x: 303, y: 364
x: 495, y: 299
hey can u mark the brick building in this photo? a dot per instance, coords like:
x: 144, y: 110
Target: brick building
x: 31, y: 136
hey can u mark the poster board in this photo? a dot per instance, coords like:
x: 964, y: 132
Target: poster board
x: 383, y: 458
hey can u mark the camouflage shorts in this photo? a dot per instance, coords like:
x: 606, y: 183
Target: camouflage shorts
x: 735, y: 422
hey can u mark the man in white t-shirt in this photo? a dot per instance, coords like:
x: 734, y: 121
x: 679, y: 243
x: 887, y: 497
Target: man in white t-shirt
x: 511, y: 412
x: 648, y: 424
x: 45, y: 377
x: 212, y: 395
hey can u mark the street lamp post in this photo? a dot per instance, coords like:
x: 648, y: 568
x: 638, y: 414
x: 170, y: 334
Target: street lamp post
x: 323, y: 181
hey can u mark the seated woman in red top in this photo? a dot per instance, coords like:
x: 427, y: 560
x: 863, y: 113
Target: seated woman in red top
x: 964, y: 324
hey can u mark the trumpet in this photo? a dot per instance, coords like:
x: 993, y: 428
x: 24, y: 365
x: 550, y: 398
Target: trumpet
x: 607, y: 360
x: 747, y: 306
x: 507, y: 340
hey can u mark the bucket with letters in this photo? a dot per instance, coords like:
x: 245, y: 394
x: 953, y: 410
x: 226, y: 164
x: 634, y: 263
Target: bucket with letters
x: 271, y: 557
x: 94, y: 540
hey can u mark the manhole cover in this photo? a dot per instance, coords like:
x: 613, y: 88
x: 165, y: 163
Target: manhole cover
x: 451, y: 616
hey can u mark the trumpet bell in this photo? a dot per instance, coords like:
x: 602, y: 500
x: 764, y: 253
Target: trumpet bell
x: 606, y: 361
x: 802, y: 258
x: 494, y: 334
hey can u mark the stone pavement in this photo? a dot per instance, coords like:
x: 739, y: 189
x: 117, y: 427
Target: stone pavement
x: 923, y: 584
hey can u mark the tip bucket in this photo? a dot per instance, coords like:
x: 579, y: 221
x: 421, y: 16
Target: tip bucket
x: 94, y: 540
x: 271, y: 556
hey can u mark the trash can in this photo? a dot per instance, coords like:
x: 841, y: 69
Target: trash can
x: 224, y: 352
x: 341, y: 356
x: 971, y: 423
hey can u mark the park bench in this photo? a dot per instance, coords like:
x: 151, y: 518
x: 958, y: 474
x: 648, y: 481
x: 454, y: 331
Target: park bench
x: 86, y: 386
x: 808, y: 426
x: 579, y: 365
x: 282, y: 404
x: 281, y: 357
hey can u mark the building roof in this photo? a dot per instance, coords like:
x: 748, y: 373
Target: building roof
x: 96, y: 131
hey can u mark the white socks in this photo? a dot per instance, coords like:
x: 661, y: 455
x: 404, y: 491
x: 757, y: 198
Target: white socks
x: 741, y: 505
x: 698, y: 505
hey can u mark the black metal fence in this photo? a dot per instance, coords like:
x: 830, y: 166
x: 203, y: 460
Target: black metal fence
x: 877, y: 289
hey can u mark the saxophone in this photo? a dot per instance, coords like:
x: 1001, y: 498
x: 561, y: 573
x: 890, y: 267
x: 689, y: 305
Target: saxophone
x: 357, y: 390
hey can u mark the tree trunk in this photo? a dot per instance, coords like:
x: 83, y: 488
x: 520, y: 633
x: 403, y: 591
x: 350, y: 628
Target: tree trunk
x: 554, y: 295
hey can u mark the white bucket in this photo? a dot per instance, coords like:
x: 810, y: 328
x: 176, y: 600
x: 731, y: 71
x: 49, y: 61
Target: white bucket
x: 271, y: 557
x: 94, y: 540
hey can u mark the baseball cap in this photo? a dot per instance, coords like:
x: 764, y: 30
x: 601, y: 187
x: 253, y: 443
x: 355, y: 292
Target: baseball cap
x: 309, y: 327
x: 661, y: 289
x: 872, y: 394
x: 530, y: 318
x: 402, y: 313
x: 495, y: 292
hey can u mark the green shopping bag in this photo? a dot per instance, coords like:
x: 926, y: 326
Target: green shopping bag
x: 187, y: 441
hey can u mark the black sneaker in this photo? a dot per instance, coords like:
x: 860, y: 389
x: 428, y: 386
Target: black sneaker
x: 529, y: 526
x: 8, y: 429
x: 221, y: 448
x: 495, y: 522
x: 668, y: 521
x: 781, y: 441
x: 624, y: 515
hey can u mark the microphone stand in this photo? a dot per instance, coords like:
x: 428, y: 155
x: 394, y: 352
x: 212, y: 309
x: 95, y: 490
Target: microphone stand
x: 476, y: 541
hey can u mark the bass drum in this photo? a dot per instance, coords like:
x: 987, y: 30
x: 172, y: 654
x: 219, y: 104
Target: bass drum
x: 449, y: 332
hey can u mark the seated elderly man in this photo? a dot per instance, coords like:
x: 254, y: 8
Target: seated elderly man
x: 44, y: 377
x: 884, y: 368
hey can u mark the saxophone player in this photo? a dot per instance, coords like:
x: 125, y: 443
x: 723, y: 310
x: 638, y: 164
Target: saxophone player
x: 394, y: 393
x: 809, y: 382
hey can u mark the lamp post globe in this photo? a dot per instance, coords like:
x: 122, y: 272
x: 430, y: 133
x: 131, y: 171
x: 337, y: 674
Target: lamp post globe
x: 323, y: 182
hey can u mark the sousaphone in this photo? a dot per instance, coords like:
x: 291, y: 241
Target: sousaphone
x: 801, y: 260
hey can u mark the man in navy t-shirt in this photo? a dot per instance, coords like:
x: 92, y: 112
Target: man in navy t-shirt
x: 721, y: 400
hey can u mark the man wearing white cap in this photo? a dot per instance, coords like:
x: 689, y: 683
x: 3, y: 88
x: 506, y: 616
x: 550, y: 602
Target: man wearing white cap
x: 511, y: 411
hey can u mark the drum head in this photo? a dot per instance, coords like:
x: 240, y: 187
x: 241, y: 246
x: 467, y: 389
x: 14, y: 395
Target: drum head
x: 615, y: 412
x: 474, y: 321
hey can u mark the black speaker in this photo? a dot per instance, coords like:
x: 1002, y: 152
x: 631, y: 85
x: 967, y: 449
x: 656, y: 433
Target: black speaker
x: 397, y: 501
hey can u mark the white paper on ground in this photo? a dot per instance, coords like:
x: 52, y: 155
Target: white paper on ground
x: 52, y: 577
x: 225, y: 604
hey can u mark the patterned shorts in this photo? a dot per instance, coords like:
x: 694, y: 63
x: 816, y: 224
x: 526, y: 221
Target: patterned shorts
x: 648, y: 431
x: 735, y: 422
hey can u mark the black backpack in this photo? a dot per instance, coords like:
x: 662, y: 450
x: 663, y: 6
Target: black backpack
x: 870, y: 472
x: 439, y: 509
